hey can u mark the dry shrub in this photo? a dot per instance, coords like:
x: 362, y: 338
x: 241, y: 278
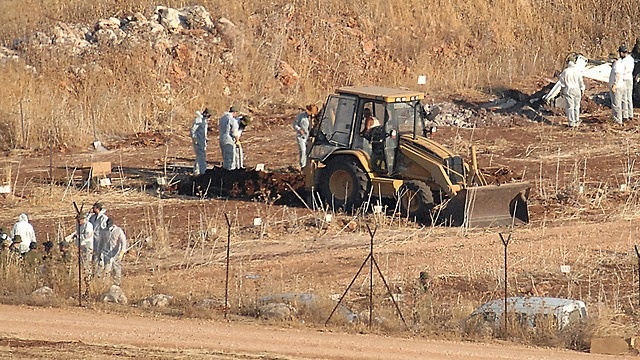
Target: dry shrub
x: 19, y: 280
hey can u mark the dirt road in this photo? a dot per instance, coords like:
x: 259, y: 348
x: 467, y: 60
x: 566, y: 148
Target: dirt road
x: 29, y: 332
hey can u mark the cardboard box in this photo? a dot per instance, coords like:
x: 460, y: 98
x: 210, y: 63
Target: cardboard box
x: 96, y: 173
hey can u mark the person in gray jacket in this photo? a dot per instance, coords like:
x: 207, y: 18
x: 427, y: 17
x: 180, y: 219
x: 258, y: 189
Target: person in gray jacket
x: 98, y: 219
x: 84, y: 239
x: 113, y: 252
x: 229, y: 137
x: 199, y: 140
x: 301, y: 125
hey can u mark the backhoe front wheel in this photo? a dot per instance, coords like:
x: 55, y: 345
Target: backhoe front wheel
x: 344, y: 184
x: 416, y: 201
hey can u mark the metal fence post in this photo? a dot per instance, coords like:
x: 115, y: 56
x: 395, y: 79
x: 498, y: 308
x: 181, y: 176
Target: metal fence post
x: 505, y: 242
x: 638, y: 255
x: 226, y: 281
x: 78, y: 212
x: 372, y: 262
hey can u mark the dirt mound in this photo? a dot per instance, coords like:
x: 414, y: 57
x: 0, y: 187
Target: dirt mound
x: 277, y: 187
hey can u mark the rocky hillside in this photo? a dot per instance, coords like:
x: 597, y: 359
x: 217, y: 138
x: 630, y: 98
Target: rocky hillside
x: 80, y: 71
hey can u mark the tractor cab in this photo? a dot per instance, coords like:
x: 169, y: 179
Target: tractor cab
x: 370, y: 120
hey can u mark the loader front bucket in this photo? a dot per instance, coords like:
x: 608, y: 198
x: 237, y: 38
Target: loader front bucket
x: 490, y: 205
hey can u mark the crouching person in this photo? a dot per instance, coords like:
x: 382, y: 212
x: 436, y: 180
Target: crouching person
x: 113, y: 252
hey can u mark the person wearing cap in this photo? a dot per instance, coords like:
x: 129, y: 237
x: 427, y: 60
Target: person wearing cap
x: 301, y: 126
x: 15, y: 244
x: 5, y: 253
x: 65, y: 256
x: 199, y: 139
x: 85, y: 242
x: 14, y: 255
x: 98, y: 219
x: 229, y: 137
x: 628, y: 63
x: 616, y: 87
x: 572, y: 88
x: 33, y: 257
x: 113, y: 252
x: 48, y: 246
x: 25, y: 231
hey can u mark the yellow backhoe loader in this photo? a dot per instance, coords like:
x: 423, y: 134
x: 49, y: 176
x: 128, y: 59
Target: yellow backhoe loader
x: 348, y: 164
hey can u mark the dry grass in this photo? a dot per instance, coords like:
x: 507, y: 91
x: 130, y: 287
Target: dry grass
x: 133, y: 88
x: 192, y: 269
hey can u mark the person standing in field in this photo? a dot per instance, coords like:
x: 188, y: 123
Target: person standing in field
x: 199, y: 139
x: 65, y: 255
x: 5, y: 254
x: 84, y: 240
x: 243, y: 122
x: 229, y: 138
x: 616, y: 87
x: 572, y: 87
x: 301, y: 126
x: 628, y: 63
x: 113, y: 252
x: 33, y: 257
x: 26, y: 232
x: 15, y: 244
x: 98, y: 219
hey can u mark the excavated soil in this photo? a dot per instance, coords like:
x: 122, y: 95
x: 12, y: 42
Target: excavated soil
x: 279, y: 188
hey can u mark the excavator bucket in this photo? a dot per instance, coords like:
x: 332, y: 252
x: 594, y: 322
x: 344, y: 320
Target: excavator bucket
x: 489, y: 205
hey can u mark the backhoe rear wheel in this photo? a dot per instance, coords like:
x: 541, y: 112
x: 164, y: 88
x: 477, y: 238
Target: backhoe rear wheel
x: 344, y: 184
x: 416, y: 201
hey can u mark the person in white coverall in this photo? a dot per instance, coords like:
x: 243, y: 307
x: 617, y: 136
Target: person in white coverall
x: 616, y: 87
x: 229, y: 136
x: 243, y: 122
x: 25, y: 230
x: 85, y: 241
x: 301, y: 125
x: 98, y: 219
x: 113, y: 252
x: 628, y: 63
x: 199, y: 139
x: 572, y: 87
